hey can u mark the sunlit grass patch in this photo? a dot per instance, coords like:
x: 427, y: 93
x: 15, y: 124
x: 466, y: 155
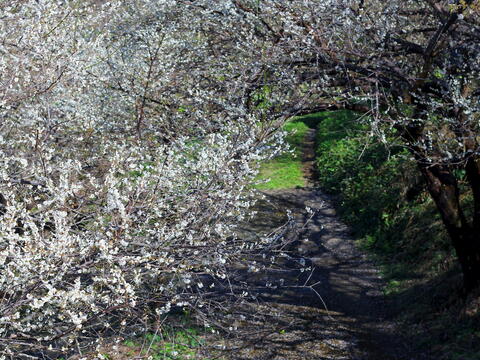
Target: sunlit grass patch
x: 285, y: 171
x: 170, y: 344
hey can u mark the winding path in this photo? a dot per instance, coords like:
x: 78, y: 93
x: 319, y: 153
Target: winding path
x: 334, y: 311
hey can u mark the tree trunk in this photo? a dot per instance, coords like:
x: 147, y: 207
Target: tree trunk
x: 473, y: 174
x: 443, y: 187
x: 468, y: 252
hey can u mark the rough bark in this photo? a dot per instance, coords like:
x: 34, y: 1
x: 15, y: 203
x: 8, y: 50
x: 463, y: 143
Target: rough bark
x: 473, y: 174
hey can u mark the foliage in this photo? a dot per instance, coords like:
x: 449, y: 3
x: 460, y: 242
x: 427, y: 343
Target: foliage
x: 337, y: 152
x: 170, y: 344
x: 130, y: 134
x: 396, y: 221
x: 412, y: 65
x: 365, y: 174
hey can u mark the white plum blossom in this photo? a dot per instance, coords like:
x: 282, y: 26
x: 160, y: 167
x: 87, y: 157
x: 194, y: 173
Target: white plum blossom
x: 127, y: 152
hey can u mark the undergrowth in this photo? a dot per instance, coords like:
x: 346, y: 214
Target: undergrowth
x: 382, y: 197
x: 172, y: 344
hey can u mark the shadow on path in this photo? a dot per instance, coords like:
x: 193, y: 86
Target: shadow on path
x: 325, y: 300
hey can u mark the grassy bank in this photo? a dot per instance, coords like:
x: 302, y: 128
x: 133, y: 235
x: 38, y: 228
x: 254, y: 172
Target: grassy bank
x: 380, y: 195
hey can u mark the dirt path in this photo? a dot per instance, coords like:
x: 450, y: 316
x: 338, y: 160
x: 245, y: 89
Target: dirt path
x: 336, y: 309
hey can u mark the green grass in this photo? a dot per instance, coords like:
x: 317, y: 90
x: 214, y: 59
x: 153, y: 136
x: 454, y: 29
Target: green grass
x: 371, y: 183
x: 286, y: 170
x: 179, y: 338
x: 283, y: 173
x: 170, y: 344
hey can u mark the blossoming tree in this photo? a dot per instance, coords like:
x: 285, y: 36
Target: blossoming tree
x: 128, y: 149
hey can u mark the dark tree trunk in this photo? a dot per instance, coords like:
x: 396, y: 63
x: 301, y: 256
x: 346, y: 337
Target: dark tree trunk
x: 473, y: 174
x: 468, y: 251
x: 443, y: 187
x: 473, y: 252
